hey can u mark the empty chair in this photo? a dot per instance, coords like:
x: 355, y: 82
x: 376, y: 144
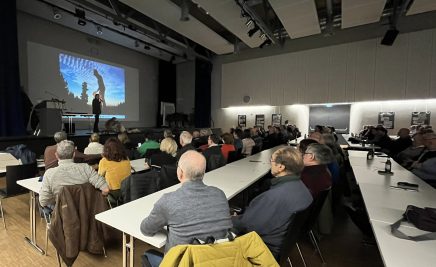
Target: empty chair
x: 233, y: 156
x: 215, y: 161
x: 298, y: 220
x: 139, y: 185
x: 168, y: 176
x: 316, y: 207
x: 13, y: 174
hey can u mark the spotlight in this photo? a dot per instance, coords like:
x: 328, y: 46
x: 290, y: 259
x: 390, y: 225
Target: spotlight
x: 99, y: 30
x: 146, y: 46
x: 249, y: 22
x: 184, y: 8
x: 253, y: 31
x: 81, y: 17
x: 56, y: 14
x: 265, y: 43
x: 262, y: 36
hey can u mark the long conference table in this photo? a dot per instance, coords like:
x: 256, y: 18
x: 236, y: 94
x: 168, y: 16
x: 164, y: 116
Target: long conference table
x: 386, y: 204
x: 232, y: 179
x: 34, y: 186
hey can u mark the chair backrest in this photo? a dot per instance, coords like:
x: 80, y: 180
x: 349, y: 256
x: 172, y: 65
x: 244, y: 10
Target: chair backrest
x: 139, y: 185
x: 215, y: 161
x: 255, y: 150
x: 298, y: 220
x: 18, y: 172
x: 167, y: 176
x: 233, y: 156
x: 150, y: 152
x: 316, y: 207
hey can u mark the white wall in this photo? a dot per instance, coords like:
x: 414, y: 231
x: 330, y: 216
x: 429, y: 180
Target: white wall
x: 346, y: 73
x: 352, y: 72
x: 37, y: 30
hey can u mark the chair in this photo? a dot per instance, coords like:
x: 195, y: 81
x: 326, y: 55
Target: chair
x: 168, y: 176
x: 150, y: 152
x: 13, y: 174
x: 315, y: 210
x: 215, y: 161
x: 255, y: 150
x: 298, y: 219
x: 139, y: 185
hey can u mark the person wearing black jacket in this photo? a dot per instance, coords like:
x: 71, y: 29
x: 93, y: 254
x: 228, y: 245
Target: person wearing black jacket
x: 96, y: 110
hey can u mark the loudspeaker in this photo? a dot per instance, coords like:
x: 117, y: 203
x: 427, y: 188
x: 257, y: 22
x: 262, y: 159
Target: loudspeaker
x: 389, y: 37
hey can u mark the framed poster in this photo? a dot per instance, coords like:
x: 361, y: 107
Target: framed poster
x: 260, y: 120
x: 386, y: 119
x: 419, y: 118
x: 242, y: 121
x: 276, y: 119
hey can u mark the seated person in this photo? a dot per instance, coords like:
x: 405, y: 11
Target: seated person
x: 112, y: 125
x: 228, y: 145
x: 193, y: 210
x: 238, y: 135
x: 382, y: 139
x: 94, y: 146
x: 317, y: 136
x: 168, y: 149
x: 185, y: 140
x: 130, y: 148
x: 115, y: 165
x: 406, y: 157
x: 429, y: 151
x: 213, y: 155
x: 247, y: 143
x: 50, y: 159
x: 315, y: 174
x: 269, y: 214
x: 149, y: 143
x: 67, y: 173
x: 404, y: 141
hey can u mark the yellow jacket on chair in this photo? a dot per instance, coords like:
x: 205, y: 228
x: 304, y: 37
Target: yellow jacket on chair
x: 246, y: 250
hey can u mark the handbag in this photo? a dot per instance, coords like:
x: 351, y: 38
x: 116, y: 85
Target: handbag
x: 422, y: 218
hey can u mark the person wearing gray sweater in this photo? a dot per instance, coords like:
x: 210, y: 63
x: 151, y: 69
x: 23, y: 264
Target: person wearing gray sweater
x: 195, y: 210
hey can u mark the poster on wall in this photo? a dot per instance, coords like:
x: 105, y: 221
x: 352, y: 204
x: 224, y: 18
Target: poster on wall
x: 419, y: 118
x: 276, y: 119
x: 260, y: 120
x: 242, y: 120
x: 386, y: 119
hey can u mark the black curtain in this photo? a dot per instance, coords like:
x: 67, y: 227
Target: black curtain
x: 167, y: 86
x: 203, y: 71
x: 11, y: 114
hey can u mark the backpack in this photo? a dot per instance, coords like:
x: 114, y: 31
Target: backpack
x: 22, y: 153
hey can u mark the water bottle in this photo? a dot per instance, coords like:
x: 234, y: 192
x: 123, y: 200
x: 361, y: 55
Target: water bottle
x: 388, y: 166
x: 370, y: 154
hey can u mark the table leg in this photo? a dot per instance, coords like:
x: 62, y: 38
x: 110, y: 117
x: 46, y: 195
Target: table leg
x: 132, y: 251
x: 124, y: 250
x: 128, y: 248
x: 32, y: 211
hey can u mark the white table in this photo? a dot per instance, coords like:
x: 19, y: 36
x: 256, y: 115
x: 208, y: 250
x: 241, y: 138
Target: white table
x: 39, y: 163
x: 232, y: 179
x: 34, y: 186
x: 385, y: 205
x: 139, y: 165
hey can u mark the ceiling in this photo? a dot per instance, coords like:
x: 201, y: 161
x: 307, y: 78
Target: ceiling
x: 180, y: 30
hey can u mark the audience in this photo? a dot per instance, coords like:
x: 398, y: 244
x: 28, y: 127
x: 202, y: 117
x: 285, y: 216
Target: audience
x: 228, y: 145
x: 315, y: 174
x: 256, y: 136
x: 185, y: 140
x: 50, y: 159
x: 404, y: 141
x: 269, y: 214
x: 428, y: 153
x: 247, y: 143
x: 149, y: 143
x: 406, y: 157
x: 67, y: 173
x: 213, y: 155
x: 94, y: 147
x: 238, y: 135
x: 168, y: 149
x: 115, y: 165
x: 193, y: 210
x: 131, y: 151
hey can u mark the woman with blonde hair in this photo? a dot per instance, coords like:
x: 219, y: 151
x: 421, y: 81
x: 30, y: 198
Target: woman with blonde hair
x: 166, y: 156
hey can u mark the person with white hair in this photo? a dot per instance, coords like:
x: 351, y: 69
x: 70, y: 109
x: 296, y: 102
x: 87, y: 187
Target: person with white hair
x: 185, y: 141
x: 68, y: 173
x: 193, y: 210
x: 94, y: 146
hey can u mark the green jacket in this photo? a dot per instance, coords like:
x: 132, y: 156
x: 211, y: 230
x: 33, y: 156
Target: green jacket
x: 150, y: 144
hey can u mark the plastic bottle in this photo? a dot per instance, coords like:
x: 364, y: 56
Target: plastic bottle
x: 388, y: 165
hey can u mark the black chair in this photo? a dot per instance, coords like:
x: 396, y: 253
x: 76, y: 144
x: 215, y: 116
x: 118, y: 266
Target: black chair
x: 13, y: 174
x: 233, y: 156
x: 150, y: 152
x: 315, y: 210
x: 167, y: 176
x: 139, y: 185
x: 215, y: 161
x: 298, y: 220
x: 255, y: 150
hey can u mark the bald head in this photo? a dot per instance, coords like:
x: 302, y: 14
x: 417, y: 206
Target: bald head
x: 191, y: 167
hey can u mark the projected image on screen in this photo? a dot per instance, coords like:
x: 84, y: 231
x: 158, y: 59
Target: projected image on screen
x: 84, y: 78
